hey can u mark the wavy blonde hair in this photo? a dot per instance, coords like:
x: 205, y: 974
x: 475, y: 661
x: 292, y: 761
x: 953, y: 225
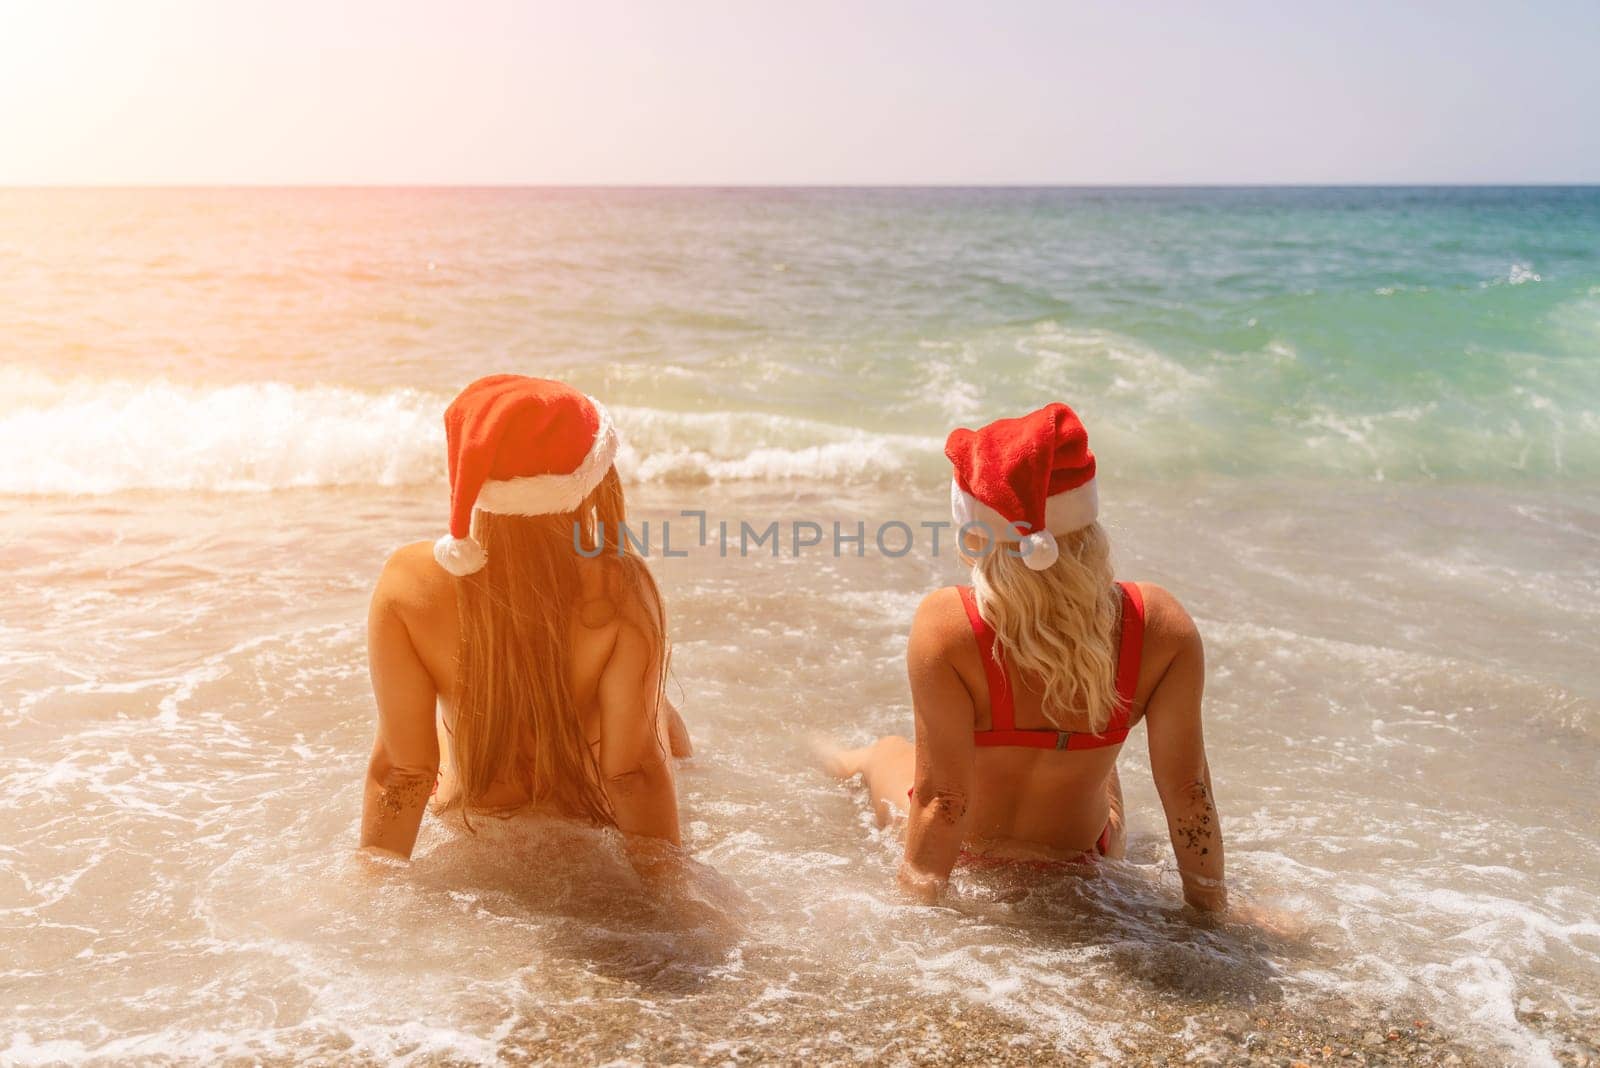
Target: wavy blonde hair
x: 516, y: 718
x: 1058, y: 626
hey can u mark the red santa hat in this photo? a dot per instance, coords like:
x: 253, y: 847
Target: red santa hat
x: 519, y: 446
x: 1026, y: 480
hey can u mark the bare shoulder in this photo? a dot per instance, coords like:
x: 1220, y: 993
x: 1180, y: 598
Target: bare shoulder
x: 623, y: 611
x: 941, y: 636
x: 412, y: 584
x: 941, y: 620
x: 942, y: 662
x: 633, y: 589
x: 1169, y: 630
x: 630, y: 659
x: 631, y: 651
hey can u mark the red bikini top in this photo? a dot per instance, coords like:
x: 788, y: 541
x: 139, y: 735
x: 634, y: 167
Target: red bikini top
x: 1003, y: 728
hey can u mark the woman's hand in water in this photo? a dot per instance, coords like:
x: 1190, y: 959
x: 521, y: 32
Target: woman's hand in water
x: 1204, y: 895
x: 376, y: 857
x: 922, y: 887
x: 1281, y: 924
x: 683, y: 888
x: 372, y: 866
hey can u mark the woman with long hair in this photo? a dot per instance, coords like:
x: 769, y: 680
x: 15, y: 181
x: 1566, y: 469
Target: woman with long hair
x: 1025, y: 684
x: 523, y: 654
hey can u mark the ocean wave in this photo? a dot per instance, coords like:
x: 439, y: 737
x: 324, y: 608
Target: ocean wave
x: 1520, y: 274
x: 87, y: 436
x: 92, y: 436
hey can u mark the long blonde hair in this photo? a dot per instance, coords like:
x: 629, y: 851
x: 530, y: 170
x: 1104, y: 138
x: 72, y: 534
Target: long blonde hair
x: 516, y: 717
x: 1059, y: 625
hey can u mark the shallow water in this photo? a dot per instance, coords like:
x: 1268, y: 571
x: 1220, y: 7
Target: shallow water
x: 241, y: 393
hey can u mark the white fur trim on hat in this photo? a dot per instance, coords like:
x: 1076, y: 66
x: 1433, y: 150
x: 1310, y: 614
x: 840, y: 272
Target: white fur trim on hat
x: 552, y: 494
x: 1063, y: 513
x: 1074, y: 509
x: 459, y: 556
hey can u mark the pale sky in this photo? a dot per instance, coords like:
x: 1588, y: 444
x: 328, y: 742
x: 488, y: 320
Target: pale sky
x: 803, y: 92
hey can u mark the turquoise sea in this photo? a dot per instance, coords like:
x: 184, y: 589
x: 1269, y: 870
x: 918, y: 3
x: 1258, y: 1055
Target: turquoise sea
x: 1356, y: 430
x: 1366, y: 333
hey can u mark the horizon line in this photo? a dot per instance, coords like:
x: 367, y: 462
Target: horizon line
x: 686, y: 186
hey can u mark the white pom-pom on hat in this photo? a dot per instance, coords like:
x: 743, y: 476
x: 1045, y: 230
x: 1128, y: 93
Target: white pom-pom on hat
x: 1039, y: 550
x: 460, y: 556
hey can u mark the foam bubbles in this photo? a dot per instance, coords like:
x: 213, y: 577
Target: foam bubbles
x: 86, y: 437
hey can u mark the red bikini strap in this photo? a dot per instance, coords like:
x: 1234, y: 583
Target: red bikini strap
x: 1002, y: 717
x: 1131, y: 650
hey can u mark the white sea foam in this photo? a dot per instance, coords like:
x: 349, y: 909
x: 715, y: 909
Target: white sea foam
x: 1118, y: 368
x: 95, y: 436
x: 87, y: 436
x: 949, y: 383
x: 756, y: 447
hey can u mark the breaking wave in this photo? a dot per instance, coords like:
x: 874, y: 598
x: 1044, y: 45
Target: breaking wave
x: 90, y: 437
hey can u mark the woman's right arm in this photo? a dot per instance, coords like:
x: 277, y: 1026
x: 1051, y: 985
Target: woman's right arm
x: 635, y: 766
x: 944, y: 750
x: 1178, y: 754
x: 405, y: 754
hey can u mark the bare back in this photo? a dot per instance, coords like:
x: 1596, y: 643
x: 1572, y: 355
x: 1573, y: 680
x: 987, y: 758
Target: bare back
x: 1023, y: 799
x: 426, y: 597
x: 413, y: 643
x: 1036, y: 802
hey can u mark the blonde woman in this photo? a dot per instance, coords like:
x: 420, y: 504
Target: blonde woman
x: 538, y: 638
x: 1026, y: 683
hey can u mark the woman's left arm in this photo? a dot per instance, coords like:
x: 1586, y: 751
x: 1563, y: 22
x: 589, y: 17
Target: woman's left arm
x: 1178, y: 753
x: 405, y: 756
